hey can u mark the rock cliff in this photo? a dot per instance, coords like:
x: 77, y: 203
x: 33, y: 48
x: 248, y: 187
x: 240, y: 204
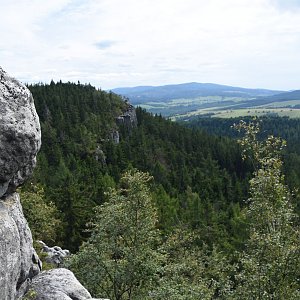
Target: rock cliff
x: 18, y: 260
x: 20, y: 137
x: 20, y: 267
x: 126, y: 121
x: 128, y: 118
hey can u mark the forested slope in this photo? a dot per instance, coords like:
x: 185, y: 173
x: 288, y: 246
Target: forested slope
x: 199, y: 180
x: 286, y: 128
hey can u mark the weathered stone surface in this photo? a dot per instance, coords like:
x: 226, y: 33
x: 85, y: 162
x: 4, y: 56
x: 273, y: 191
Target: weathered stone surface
x: 58, y: 284
x: 20, y: 134
x: 16, y: 250
x: 55, y: 255
x: 128, y: 118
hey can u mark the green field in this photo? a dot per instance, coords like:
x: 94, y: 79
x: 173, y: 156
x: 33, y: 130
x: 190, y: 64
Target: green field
x: 258, y: 112
x: 222, y: 107
x: 281, y: 112
x: 179, y: 107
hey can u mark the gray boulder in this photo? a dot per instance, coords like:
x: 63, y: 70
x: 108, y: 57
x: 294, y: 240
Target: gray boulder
x: 58, y: 284
x: 55, y: 255
x: 16, y: 251
x: 20, y: 133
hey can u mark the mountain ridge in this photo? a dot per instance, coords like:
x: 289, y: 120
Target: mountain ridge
x: 141, y: 94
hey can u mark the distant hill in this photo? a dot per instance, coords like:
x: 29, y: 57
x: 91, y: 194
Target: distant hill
x: 182, y: 101
x: 286, y: 96
x: 143, y: 94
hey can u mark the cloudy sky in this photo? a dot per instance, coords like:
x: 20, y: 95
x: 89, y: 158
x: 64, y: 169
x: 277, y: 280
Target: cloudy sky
x: 117, y: 43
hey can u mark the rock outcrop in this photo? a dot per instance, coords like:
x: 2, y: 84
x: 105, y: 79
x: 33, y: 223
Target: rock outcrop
x: 58, y: 284
x: 128, y: 118
x: 20, y: 140
x: 18, y: 260
x: 55, y: 255
x: 20, y: 267
x: 20, y: 137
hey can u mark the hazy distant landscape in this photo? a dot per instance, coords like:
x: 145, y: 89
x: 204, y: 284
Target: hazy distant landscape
x: 187, y: 100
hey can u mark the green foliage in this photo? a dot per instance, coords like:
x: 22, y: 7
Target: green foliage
x: 42, y: 217
x: 121, y: 259
x: 192, y: 272
x: 181, y: 159
x: 168, y: 208
x: 30, y: 295
x: 267, y: 267
x: 270, y: 263
x: 76, y: 121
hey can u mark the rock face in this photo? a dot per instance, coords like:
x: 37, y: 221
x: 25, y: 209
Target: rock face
x: 58, y: 284
x: 20, y: 137
x: 18, y: 260
x: 20, y: 140
x: 127, y: 121
x: 128, y: 118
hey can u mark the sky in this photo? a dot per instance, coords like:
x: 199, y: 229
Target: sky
x: 118, y: 43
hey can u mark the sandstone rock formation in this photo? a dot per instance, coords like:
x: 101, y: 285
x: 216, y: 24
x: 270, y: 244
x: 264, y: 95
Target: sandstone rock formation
x: 20, y: 140
x: 18, y: 261
x: 128, y: 118
x: 55, y: 255
x: 58, y: 284
x: 20, y: 137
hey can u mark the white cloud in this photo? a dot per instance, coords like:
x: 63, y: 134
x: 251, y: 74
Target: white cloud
x: 114, y: 43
